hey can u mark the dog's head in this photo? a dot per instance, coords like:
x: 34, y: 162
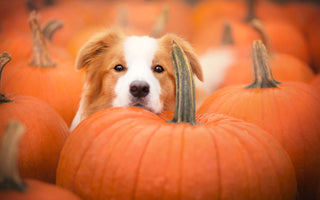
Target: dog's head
x: 130, y: 71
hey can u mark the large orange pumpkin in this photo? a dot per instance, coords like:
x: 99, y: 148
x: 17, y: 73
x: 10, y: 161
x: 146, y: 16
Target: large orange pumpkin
x: 55, y: 82
x: 289, y: 111
x: 46, y: 132
x: 131, y: 153
x: 11, y: 185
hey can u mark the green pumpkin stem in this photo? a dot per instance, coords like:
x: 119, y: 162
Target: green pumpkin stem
x: 250, y: 10
x: 41, y: 56
x: 4, y: 59
x: 161, y: 23
x: 9, y: 149
x: 227, y: 37
x: 185, y: 109
x: 263, y: 77
x: 49, y: 29
x: 258, y: 26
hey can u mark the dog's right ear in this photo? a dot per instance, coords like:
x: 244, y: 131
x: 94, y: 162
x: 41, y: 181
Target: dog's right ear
x: 96, y: 45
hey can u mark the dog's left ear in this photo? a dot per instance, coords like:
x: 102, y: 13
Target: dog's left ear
x: 188, y: 50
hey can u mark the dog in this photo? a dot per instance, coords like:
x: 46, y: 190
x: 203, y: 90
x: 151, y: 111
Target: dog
x: 129, y: 71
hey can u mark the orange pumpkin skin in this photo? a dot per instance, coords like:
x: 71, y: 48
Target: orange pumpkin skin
x: 37, y: 190
x: 131, y: 153
x: 59, y: 86
x: 290, y: 113
x: 210, y: 36
x: 45, y: 134
x: 292, y: 42
x: 316, y: 81
x: 284, y: 67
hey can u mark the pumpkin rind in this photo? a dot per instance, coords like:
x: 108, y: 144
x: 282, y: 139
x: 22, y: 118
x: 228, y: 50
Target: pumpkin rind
x: 290, y: 112
x: 131, y: 153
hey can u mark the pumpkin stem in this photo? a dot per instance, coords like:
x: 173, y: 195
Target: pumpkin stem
x: 4, y: 59
x: 41, y: 56
x: 251, y: 12
x: 185, y: 109
x: 49, y: 29
x: 161, y: 23
x: 257, y: 25
x: 227, y: 37
x: 123, y: 18
x: 9, y: 149
x: 263, y: 77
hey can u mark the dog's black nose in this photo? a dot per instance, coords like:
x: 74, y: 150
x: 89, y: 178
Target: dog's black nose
x: 139, y: 88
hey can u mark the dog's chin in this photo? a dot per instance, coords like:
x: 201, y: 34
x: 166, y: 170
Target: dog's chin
x: 141, y: 105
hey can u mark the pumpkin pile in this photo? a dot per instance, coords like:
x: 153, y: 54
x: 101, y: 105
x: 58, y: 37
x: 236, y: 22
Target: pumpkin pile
x: 250, y: 130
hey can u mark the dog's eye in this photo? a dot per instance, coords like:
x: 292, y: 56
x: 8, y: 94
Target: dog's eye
x: 158, y: 69
x: 119, y: 68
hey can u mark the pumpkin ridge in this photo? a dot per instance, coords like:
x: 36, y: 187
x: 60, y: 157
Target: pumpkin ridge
x: 218, y: 161
x: 225, y: 103
x: 113, y: 147
x: 246, y: 154
x: 133, y: 123
x: 74, y: 133
x: 273, y: 93
x: 138, y: 170
x: 77, y: 168
x: 249, y: 157
x: 113, y: 125
x: 168, y: 159
x: 85, y: 151
x: 181, y: 164
x: 269, y: 157
x: 302, y: 135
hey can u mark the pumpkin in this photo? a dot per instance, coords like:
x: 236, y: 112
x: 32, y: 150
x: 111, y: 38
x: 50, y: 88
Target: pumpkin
x: 12, y: 186
x: 292, y: 42
x: 55, y: 82
x: 231, y: 64
x: 74, y: 15
x: 275, y: 23
x: 284, y: 66
x: 301, y: 14
x: 212, y: 36
x: 314, y: 44
x: 217, y: 59
x: 15, y: 38
x: 289, y: 111
x: 207, y: 11
x: 316, y: 81
x: 131, y: 153
x: 46, y: 132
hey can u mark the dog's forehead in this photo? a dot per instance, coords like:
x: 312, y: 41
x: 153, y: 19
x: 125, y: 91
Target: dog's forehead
x: 140, y: 48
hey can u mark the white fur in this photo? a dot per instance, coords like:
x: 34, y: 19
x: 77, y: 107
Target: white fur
x: 139, y: 52
x: 214, y: 63
x: 79, y: 115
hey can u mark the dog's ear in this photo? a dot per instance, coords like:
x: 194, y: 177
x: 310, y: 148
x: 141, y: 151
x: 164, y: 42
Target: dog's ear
x: 96, y: 45
x: 188, y: 50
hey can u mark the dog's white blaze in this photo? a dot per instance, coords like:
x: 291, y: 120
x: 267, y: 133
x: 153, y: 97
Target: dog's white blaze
x: 139, y: 52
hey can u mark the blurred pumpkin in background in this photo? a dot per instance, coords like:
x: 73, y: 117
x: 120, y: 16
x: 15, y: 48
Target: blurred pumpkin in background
x: 55, y: 82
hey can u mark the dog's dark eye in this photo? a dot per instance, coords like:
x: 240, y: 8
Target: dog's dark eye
x: 118, y: 68
x: 158, y: 69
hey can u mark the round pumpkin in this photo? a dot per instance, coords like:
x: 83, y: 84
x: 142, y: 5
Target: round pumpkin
x: 46, y: 132
x: 289, y: 111
x: 131, y: 153
x: 11, y: 185
x: 55, y: 82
